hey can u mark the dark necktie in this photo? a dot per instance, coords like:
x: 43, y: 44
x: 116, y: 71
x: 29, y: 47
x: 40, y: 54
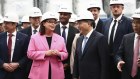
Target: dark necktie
x: 64, y: 33
x: 35, y: 31
x: 10, y: 46
x: 112, y: 35
x: 135, y: 57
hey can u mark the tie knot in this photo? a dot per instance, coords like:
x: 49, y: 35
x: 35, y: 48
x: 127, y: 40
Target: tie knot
x: 34, y: 31
x: 115, y: 20
x: 85, y: 37
x: 64, y: 27
x: 10, y: 34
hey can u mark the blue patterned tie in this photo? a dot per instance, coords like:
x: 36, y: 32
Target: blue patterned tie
x: 84, y: 43
x: 35, y: 31
x: 64, y: 33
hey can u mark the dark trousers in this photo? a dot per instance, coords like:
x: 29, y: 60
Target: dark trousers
x: 114, y: 72
x: 9, y: 76
x: 68, y: 74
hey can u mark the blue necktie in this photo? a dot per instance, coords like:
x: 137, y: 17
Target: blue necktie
x: 35, y: 31
x: 84, y: 43
x: 64, y: 33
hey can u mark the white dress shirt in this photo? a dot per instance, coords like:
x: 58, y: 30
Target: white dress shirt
x: 96, y: 22
x: 34, y: 29
x: 111, y: 25
x: 66, y: 30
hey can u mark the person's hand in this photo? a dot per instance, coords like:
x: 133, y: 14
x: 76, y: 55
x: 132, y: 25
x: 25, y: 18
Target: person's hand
x: 119, y: 65
x: 14, y: 65
x: 138, y: 62
x: 55, y: 52
x: 66, y: 66
x: 7, y: 67
x: 49, y: 53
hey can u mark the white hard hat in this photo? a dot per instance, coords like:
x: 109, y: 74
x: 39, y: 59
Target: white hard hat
x: 73, y: 18
x: 25, y: 18
x: 35, y: 12
x: 1, y: 19
x: 64, y: 8
x: 49, y: 15
x: 116, y: 2
x: 136, y: 13
x: 85, y: 15
x: 94, y: 4
x: 11, y: 17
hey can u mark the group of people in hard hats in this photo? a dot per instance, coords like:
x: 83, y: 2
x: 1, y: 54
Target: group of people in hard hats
x: 67, y: 46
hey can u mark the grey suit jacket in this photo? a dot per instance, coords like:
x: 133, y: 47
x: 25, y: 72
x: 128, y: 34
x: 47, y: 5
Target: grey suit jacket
x: 126, y: 53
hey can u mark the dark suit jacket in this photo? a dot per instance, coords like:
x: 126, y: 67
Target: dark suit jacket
x: 20, y: 55
x: 126, y: 53
x: 27, y: 31
x: 99, y: 26
x: 124, y: 27
x: 94, y: 62
x: 71, y: 34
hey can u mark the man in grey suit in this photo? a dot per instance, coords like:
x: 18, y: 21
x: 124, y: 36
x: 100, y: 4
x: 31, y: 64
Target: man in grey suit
x: 129, y: 51
x: 92, y: 54
x: 114, y: 30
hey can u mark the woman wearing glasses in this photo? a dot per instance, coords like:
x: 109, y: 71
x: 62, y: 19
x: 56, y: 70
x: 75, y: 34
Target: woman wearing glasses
x: 47, y: 50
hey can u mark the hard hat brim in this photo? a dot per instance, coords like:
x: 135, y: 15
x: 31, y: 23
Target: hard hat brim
x: 93, y: 7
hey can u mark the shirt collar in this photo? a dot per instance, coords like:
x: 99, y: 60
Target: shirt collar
x: 36, y: 29
x: 96, y: 21
x: 88, y: 35
x: 119, y: 18
x: 14, y: 33
x: 67, y: 25
x: 136, y: 35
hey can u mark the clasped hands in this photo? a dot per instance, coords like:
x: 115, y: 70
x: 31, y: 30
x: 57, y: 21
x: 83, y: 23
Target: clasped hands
x: 52, y: 53
x: 10, y: 67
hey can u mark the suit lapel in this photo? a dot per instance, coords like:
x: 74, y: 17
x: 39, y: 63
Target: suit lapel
x: 57, y: 29
x: 119, y: 27
x: 80, y: 46
x: 53, y: 44
x: 5, y: 42
x: 107, y: 26
x: 89, y: 42
x: 131, y: 45
x: 99, y: 26
x: 17, y: 44
x: 44, y: 41
x: 70, y: 34
x: 30, y: 31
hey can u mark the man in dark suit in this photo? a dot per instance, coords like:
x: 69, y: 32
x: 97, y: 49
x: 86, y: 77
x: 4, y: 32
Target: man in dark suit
x: 13, y: 49
x: 94, y: 8
x: 92, y: 54
x: 34, y: 17
x: 70, y: 31
x: 114, y: 30
x: 128, y: 56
